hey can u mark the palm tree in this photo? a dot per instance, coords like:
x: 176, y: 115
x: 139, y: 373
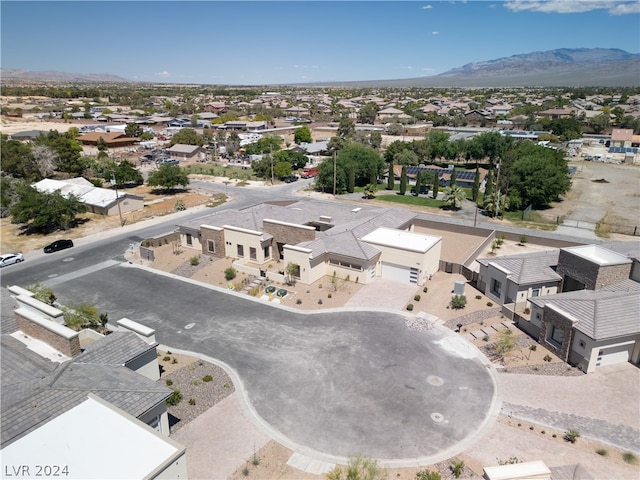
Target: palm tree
x: 454, y: 196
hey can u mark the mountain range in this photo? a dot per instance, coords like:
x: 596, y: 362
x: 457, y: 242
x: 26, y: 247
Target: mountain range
x: 564, y: 67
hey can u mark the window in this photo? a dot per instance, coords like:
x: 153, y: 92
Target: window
x: 189, y: 239
x: 535, y: 292
x: 267, y: 253
x: 240, y: 250
x: 211, y: 246
x: 252, y: 253
x: 557, y: 336
x: 496, y: 287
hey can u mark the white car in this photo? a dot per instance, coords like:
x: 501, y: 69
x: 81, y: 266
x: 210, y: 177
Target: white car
x: 10, y: 259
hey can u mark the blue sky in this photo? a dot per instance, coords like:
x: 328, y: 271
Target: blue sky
x: 268, y: 42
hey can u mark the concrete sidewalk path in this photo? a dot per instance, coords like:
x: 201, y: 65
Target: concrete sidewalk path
x: 220, y: 440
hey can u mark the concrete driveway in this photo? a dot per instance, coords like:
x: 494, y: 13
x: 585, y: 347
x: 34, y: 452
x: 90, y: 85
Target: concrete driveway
x: 329, y: 385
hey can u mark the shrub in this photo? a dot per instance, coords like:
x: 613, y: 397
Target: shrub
x: 458, y: 302
x: 417, y: 298
x: 192, y: 401
x: 245, y: 471
x: 169, y: 382
x: 299, y: 301
x: 489, y: 304
x: 629, y: 458
x: 425, y: 289
x: 533, y: 348
x: 602, y: 452
x: 410, y: 307
x: 427, y: 475
x: 179, y: 206
x: 319, y: 301
x: 174, y: 361
x: 485, y: 338
x: 329, y: 295
x: 229, y: 274
x: 457, y: 467
x: 571, y: 435
x: 547, y: 358
x: 478, y: 297
x: 166, y: 358
x: 194, y: 261
x: 523, y: 239
x: 175, y: 398
x: 527, y: 311
x: 207, y: 378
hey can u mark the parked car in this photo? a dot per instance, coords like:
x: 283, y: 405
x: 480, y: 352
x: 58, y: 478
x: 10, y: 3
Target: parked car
x: 10, y: 259
x: 292, y: 178
x: 424, y: 189
x: 58, y: 245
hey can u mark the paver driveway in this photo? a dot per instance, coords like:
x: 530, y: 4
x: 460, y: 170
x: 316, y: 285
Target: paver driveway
x: 329, y: 384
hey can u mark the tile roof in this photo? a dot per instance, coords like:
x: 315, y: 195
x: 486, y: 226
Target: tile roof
x: 527, y: 269
x: 35, y: 390
x: 601, y: 314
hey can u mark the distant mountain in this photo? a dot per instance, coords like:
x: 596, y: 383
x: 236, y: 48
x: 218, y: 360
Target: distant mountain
x: 51, y: 76
x: 564, y: 67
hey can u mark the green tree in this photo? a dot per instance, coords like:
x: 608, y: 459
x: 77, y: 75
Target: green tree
x: 282, y: 170
x: 302, y: 135
x: 351, y: 185
x: 454, y: 196
x: 297, y: 160
x: 45, y: 160
x: 292, y: 270
x: 168, y: 177
x: 476, y: 186
x: 267, y: 144
x: 45, y: 212
x: 418, y: 186
x: 133, y: 130
x: 101, y: 144
x: 454, y: 176
x: 368, y: 113
x: 68, y: 152
x: 126, y: 173
x: 403, y: 180
x: 436, y: 184
x: 391, y: 179
x: 17, y: 159
x: 346, y: 128
x: 406, y: 157
x: 370, y: 190
x: 488, y: 188
x: 187, y: 136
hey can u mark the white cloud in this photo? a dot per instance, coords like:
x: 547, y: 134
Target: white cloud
x: 573, y: 6
x: 427, y: 7
x: 435, y: 33
x: 162, y: 74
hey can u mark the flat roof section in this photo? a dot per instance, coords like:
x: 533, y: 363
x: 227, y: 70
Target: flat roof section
x: 410, y: 241
x: 598, y: 254
x: 78, y: 441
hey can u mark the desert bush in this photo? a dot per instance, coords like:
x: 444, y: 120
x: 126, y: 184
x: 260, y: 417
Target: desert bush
x: 299, y: 301
x: 229, y: 274
x: 602, y: 452
x: 457, y: 467
x: 489, y: 304
x: 175, y: 398
x: 417, y: 298
x: 169, y: 382
x: 192, y: 401
x: 629, y: 458
x: 478, y: 297
x: 179, y: 206
x: 425, y: 289
x: 427, y: 475
x: 194, y: 261
x: 207, y: 378
x: 571, y: 435
x: 458, y: 302
x: 410, y: 307
x: 547, y: 358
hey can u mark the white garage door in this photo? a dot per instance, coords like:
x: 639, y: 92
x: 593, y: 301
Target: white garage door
x: 614, y: 355
x: 399, y: 272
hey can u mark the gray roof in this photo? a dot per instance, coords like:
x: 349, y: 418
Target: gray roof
x: 118, y: 348
x: 350, y: 224
x: 601, y: 314
x: 36, y: 390
x: 527, y: 269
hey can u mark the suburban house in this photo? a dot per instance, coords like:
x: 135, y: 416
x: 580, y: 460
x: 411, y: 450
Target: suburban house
x: 514, y: 279
x: 624, y: 137
x: 391, y: 113
x: 186, y: 152
x: 101, y: 201
x: 113, y: 140
x: 359, y: 243
x: 581, y: 302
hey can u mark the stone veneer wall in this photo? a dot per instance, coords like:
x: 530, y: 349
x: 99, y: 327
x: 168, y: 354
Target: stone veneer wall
x: 288, y: 234
x: 69, y: 346
x: 552, y: 318
x: 218, y: 239
x: 591, y: 274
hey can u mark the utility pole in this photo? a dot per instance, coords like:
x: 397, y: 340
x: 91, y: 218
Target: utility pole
x: 115, y: 186
x: 271, y: 162
x: 498, y: 190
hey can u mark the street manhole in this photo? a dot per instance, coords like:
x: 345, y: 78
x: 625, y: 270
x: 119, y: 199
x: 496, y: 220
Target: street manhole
x: 435, y: 381
x: 68, y: 259
x: 189, y: 326
x: 437, y: 417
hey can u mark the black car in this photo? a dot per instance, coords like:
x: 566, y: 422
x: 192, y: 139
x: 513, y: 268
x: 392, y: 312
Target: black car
x: 424, y: 189
x: 292, y: 178
x: 58, y: 245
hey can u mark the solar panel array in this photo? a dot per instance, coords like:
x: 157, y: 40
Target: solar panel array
x: 460, y: 174
x: 633, y: 150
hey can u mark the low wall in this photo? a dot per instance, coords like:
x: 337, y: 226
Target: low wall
x: 62, y: 338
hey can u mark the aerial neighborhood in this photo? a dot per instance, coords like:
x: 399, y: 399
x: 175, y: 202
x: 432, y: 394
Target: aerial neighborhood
x: 434, y: 281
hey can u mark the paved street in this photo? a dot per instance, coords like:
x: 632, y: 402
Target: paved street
x: 329, y: 385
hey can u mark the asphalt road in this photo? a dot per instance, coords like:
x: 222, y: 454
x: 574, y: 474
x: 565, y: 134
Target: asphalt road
x: 331, y: 385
